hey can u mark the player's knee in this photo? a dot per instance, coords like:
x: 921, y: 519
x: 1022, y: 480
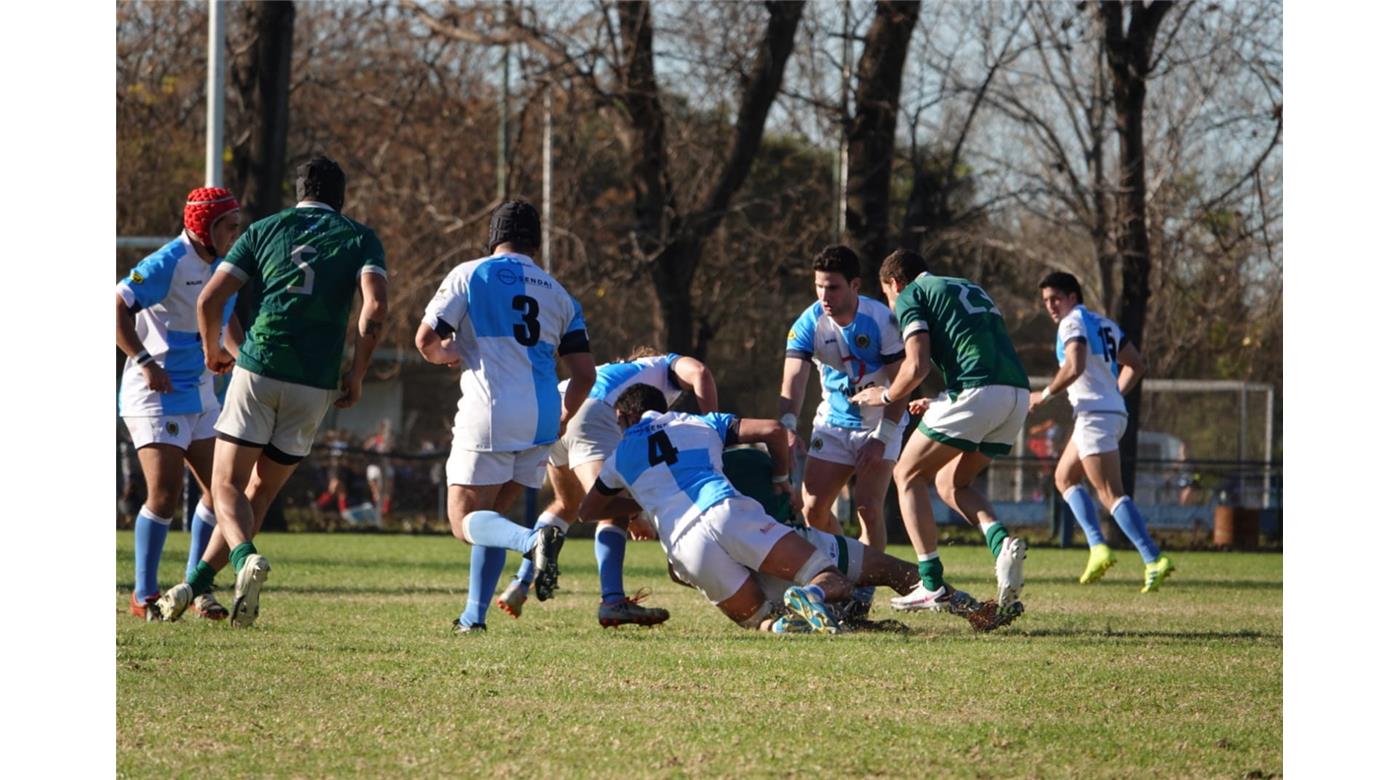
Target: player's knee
x: 817, y: 563
x: 161, y: 502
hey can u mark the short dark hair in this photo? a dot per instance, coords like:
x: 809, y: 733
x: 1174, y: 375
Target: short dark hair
x: 1063, y: 281
x: 639, y: 398
x: 839, y: 259
x: 902, y: 266
x: 514, y: 222
x: 321, y: 179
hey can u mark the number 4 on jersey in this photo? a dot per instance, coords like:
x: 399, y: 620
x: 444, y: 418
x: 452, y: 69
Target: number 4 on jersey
x: 660, y: 450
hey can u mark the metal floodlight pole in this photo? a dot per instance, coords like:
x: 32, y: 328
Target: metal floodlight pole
x: 214, y: 127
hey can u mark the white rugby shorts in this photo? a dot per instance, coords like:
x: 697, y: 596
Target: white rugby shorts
x: 840, y: 445
x: 847, y: 553
x: 475, y: 468
x: 259, y: 410
x: 592, y: 434
x: 1098, y: 432
x: 982, y: 419
x: 177, y: 430
x: 718, y: 550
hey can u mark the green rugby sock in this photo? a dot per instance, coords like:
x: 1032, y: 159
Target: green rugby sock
x: 240, y: 554
x: 931, y: 572
x: 996, y: 534
x: 202, y: 580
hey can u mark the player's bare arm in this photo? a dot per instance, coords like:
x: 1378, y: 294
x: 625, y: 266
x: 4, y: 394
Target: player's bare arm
x: 130, y: 343
x: 209, y: 312
x: 696, y: 377
x: 1130, y: 369
x: 582, y: 374
x: 601, y: 506
x: 912, y: 370
x: 234, y: 335
x: 790, y: 395
x: 374, y: 291
x: 1070, y: 370
x: 775, y: 436
x: 434, y: 348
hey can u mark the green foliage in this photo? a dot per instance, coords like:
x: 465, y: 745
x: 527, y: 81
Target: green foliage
x: 351, y: 671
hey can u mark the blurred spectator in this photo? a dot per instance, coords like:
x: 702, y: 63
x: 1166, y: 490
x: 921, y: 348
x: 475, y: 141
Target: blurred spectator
x: 380, y: 472
x: 347, y: 492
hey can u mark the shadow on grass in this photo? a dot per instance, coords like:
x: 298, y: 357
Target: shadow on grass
x: 1172, y: 583
x: 1188, y: 636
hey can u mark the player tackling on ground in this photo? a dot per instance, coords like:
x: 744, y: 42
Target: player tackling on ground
x: 308, y: 261
x: 1097, y: 367
x: 951, y: 323
x: 167, y: 397
x: 855, y: 343
x: 504, y: 321
x: 574, y: 462
x: 714, y: 537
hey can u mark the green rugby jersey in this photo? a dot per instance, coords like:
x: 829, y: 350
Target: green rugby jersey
x: 968, y: 341
x: 307, y: 262
x: 750, y: 471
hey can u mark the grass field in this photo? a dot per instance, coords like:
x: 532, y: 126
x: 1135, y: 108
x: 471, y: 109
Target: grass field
x: 352, y: 672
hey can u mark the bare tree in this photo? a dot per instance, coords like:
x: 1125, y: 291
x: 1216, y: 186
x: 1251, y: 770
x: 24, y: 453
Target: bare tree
x: 261, y: 72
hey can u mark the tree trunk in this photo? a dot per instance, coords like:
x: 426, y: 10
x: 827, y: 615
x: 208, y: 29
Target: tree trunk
x: 1129, y: 59
x: 872, y: 147
x: 261, y: 76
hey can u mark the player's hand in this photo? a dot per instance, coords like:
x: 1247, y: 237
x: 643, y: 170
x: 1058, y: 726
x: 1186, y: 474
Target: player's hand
x: 218, y: 360
x: 786, y: 487
x: 640, y: 530
x: 349, y: 391
x: 869, y: 454
x: 919, y: 405
x: 156, y: 378
x: 795, y: 443
x: 870, y: 396
x: 1037, y: 398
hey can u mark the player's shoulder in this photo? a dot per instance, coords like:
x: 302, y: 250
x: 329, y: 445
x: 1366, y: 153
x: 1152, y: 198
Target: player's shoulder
x: 873, y: 309
x: 811, y: 315
x: 162, y: 261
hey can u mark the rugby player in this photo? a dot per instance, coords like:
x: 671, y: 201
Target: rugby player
x: 167, y: 397
x: 307, y: 261
x: 504, y: 321
x: 574, y: 462
x: 854, y: 342
x: 714, y: 536
x: 953, y: 324
x: 1097, y: 367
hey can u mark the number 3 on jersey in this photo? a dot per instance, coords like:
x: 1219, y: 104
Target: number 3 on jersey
x: 528, y: 331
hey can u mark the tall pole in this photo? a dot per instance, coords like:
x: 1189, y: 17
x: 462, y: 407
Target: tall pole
x: 214, y: 108
x: 841, y: 163
x: 548, y: 177
x: 503, y: 133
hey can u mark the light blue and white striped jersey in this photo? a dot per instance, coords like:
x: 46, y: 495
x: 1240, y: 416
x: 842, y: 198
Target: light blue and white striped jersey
x: 613, y: 378
x: 850, y: 358
x: 510, y: 319
x: 672, y: 465
x: 162, y: 290
x: 1096, y: 390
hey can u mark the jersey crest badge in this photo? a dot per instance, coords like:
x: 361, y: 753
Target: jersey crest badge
x: 862, y: 341
x: 172, y: 428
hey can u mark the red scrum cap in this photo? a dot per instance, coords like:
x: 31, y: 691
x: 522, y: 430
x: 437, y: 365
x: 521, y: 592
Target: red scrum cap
x: 203, y: 208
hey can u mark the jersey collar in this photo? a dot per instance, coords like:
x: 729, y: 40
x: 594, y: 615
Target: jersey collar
x: 515, y: 256
x: 313, y: 204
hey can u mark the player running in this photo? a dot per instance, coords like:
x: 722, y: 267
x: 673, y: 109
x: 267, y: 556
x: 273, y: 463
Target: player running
x: 504, y: 320
x: 1097, y: 367
x: 166, y: 397
x: 307, y: 261
x: 854, y: 341
x: 574, y: 462
x: 714, y: 536
x: 951, y: 323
